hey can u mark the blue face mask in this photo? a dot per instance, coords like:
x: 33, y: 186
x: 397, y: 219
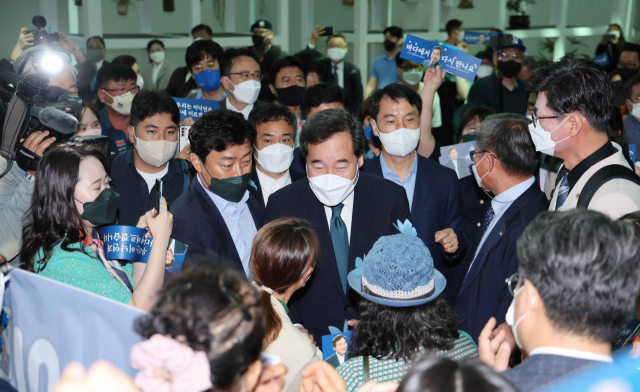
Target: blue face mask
x: 368, y: 132
x: 208, y: 79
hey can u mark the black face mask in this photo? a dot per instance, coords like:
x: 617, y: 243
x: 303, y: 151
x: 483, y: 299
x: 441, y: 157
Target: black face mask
x: 627, y: 73
x: 290, y: 96
x: 258, y: 40
x: 388, y: 45
x: 509, y: 68
x: 469, y: 137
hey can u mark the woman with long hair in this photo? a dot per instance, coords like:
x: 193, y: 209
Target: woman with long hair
x: 283, y: 256
x: 71, y: 200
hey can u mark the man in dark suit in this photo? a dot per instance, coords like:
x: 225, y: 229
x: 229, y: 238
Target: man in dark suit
x: 340, y: 72
x: 275, y: 127
x: 241, y: 78
x: 457, y: 164
x: 341, y: 355
x: 575, y: 292
x: 398, y: 117
x: 348, y: 210
x: 505, y: 161
x: 219, y: 214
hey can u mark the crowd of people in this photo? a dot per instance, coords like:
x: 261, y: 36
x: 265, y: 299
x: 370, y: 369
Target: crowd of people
x: 308, y: 201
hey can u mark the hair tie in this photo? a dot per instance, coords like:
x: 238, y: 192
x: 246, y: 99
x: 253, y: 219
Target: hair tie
x: 266, y: 289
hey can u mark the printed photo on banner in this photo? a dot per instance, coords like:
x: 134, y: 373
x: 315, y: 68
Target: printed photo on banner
x: 336, y: 348
x: 602, y: 59
x: 431, y: 54
x: 457, y: 158
x: 477, y: 38
x: 195, y: 108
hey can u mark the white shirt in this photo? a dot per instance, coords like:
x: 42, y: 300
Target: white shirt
x: 346, y: 214
x: 567, y: 352
x: 340, y: 72
x: 455, y: 163
x: 270, y: 186
x: 99, y: 64
x: 296, y: 141
x: 340, y: 358
x: 156, y: 71
x: 150, y: 178
x: 245, y: 112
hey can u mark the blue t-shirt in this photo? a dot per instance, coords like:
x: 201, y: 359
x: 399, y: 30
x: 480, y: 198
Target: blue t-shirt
x: 384, y: 69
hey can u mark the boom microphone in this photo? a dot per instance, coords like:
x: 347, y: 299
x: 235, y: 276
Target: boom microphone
x: 56, y: 120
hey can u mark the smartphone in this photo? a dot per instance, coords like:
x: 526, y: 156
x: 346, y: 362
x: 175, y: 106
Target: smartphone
x: 184, y: 137
x: 328, y: 31
x: 609, y: 37
x: 159, y: 196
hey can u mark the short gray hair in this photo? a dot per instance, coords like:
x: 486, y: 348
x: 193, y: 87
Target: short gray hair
x: 23, y: 64
x: 507, y: 136
x: 585, y: 267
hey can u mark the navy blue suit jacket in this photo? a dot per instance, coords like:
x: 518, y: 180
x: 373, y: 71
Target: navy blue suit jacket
x: 484, y: 293
x: 295, y: 176
x: 437, y: 205
x: 198, y: 223
x: 377, y: 205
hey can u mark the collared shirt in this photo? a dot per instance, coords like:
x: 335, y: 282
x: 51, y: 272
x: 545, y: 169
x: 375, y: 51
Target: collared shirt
x: 455, y: 164
x: 409, y: 183
x: 346, y: 214
x: 574, y: 175
x: 119, y: 140
x: 239, y: 221
x: 632, y: 131
x: 340, y: 71
x: 200, y: 95
x: 245, y: 112
x: 340, y: 358
x: 384, y: 69
x: 270, y: 186
x: 567, y: 352
x: 500, y: 205
x: 150, y: 178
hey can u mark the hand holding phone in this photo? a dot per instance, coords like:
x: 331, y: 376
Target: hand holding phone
x: 328, y: 31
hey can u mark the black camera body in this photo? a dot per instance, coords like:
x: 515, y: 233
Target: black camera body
x: 40, y: 35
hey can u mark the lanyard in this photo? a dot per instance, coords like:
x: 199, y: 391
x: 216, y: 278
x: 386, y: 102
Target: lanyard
x: 265, y: 52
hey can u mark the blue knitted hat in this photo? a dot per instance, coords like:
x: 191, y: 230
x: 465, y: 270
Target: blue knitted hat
x: 398, y: 271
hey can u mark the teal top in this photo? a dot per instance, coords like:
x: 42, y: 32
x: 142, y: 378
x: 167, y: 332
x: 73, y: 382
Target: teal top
x: 84, y: 271
x: 286, y: 308
x: 386, y: 370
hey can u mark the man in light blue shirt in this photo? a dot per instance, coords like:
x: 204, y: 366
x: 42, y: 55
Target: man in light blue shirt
x: 383, y: 71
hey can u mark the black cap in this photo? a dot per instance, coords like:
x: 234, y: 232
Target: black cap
x: 261, y: 24
x: 485, y: 55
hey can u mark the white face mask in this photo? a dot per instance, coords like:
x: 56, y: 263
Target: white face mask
x: 121, y: 103
x: 476, y: 175
x: 157, y: 57
x: 529, y: 117
x: 635, y: 111
x: 336, y: 54
x: 484, y: 70
x: 275, y: 158
x: 90, y: 132
x: 614, y: 32
x: 542, y: 139
x: 140, y: 82
x: 246, y: 92
x: 157, y: 152
x: 401, y: 142
x: 330, y: 189
x: 412, y: 76
x: 511, y: 315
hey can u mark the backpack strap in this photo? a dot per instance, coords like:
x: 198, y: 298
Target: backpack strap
x: 602, y: 176
x: 185, y: 173
x: 366, y: 374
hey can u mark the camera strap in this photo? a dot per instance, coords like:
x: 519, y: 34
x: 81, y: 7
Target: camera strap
x: 16, y: 113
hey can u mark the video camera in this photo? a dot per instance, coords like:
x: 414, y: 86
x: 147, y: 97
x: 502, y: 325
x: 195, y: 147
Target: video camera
x: 40, y: 35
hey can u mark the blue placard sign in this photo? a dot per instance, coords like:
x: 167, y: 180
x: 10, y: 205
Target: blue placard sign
x: 126, y: 243
x: 195, y: 108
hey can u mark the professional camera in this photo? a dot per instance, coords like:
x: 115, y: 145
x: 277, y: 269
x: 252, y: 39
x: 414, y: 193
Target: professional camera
x: 40, y: 35
x: 28, y: 105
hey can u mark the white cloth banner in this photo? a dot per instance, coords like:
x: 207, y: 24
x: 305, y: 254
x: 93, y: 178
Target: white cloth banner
x: 52, y: 324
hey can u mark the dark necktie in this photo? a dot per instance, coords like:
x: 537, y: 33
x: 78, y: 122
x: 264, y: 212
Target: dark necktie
x: 563, y: 191
x: 463, y: 268
x: 335, y: 74
x: 340, y: 239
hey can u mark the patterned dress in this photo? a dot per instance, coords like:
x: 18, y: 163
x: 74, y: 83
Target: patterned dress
x: 391, y: 370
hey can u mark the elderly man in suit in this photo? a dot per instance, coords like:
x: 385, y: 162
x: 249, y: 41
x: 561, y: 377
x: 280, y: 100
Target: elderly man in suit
x: 504, y: 164
x: 241, y: 78
x: 349, y: 210
x: 570, y: 122
x: 219, y: 214
x: 340, y: 346
x: 575, y: 291
x: 399, y: 117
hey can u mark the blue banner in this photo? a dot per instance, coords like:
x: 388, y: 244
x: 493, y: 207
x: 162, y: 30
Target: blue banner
x: 430, y: 54
x: 602, y: 59
x: 632, y: 153
x: 195, y: 108
x: 475, y: 38
x: 52, y: 324
x: 126, y: 243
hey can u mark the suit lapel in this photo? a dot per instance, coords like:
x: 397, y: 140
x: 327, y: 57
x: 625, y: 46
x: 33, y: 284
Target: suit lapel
x: 421, y: 191
x: 256, y: 180
x: 361, y: 222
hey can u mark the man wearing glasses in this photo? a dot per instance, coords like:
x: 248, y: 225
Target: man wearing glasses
x: 117, y: 87
x: 241, y: 78
x: 504, y: 164
x: 570, y: 122
x: 486, y: 91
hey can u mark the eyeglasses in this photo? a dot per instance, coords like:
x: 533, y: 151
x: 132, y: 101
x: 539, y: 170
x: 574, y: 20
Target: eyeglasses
x: 200, y: 67
x: 121, y: 91
x: 512, y: 282
x: 535, y: 117
x: 248, y: 75
x: 472, y: 154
